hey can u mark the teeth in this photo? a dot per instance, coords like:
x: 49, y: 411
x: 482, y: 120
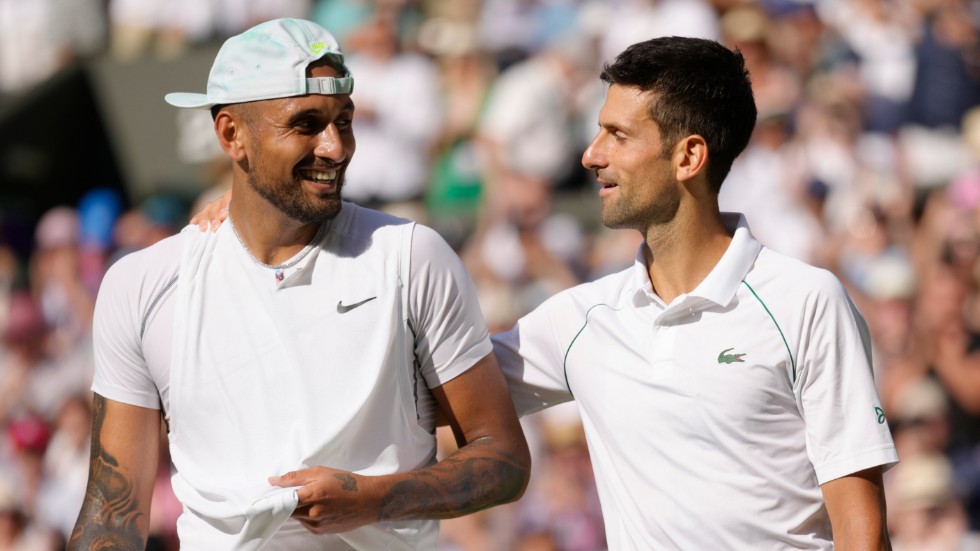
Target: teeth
x: 320, y: 176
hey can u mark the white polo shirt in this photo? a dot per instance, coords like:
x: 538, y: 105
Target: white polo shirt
x: 712, y: 420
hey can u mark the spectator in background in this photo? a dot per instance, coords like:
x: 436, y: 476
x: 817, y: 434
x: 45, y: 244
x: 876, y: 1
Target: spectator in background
x: 36, y: 377
x: 947, y: 75
x: 881, y: 34
x: 455, y: 190
x: 38, y: 38
x: 521, y: 251
x: 926, y: 514
x: 561, y: 500
x: 140, y: 27
x: 638, y: 20
x: 97, y: 212
x: 398, y: 114
x: 526, y: 130
x: 17, y: 531
x: 65, y: 466
x: 167, y: 28
x: 57, y: 282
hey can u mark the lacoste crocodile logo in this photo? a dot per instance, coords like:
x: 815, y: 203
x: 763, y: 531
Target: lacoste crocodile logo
x: 725, y: 358
x: 344, y: 308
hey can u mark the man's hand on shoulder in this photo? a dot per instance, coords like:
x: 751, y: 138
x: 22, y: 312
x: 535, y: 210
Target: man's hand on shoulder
x: 213, y: 213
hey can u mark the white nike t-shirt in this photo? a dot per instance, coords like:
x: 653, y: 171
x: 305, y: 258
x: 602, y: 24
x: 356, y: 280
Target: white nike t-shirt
x: 330, y: 367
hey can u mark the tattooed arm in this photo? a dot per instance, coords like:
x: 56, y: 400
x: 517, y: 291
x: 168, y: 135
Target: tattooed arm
x: 123, y: 464
x: 491, y: 466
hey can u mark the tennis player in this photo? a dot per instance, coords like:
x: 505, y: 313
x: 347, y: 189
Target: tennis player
x: 298, y: 355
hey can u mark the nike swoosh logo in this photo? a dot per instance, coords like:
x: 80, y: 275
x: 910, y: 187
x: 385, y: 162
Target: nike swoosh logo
x: 343, y: 309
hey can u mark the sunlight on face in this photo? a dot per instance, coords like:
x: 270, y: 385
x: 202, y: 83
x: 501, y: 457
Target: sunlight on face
x: 637, y: 183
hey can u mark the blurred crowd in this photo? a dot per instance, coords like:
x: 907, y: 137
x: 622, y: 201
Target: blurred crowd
x: 471, y: 117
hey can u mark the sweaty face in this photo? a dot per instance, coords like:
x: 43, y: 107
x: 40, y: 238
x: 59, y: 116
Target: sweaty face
x: 637, y: 183
x: 298, y: 150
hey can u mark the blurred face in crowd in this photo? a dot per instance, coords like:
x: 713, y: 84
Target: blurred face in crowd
x: 298, y: 150
x: 637, y: 182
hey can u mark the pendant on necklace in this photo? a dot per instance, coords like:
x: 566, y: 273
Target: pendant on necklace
x: 279, y: 276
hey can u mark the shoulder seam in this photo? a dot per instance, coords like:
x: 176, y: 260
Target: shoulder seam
x: 792, y: 361
x: 564, y: 363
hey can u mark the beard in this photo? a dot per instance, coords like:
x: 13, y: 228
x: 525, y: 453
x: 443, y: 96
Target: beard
x: 288, y: 197
x: 630, y: 212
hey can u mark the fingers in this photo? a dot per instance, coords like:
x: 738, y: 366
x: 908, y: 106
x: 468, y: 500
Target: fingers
x: 220, y: 216
x: 319, y: 519
x: 199, y: 221
x: 212, y: 215
x: 301, y: 477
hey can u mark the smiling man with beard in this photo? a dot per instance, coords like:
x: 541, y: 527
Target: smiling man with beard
x: 299, y: 354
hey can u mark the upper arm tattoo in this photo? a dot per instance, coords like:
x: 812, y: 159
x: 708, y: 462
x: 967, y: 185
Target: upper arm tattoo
x: 110, y: 517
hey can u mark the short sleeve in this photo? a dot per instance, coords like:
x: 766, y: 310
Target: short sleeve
x: 846, y: 429
x: 450, y: 333
x: 531, y: 355
x: 121, y: 374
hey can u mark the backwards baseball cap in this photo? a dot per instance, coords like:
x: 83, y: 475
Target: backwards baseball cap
x: 269, y: 61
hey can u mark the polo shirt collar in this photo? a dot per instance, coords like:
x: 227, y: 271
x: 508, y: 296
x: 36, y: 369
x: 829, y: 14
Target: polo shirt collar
x: 723, y: 280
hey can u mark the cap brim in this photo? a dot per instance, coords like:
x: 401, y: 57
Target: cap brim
x: 188, y: 100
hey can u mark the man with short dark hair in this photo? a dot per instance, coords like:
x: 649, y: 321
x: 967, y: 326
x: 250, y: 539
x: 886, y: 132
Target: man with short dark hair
x: 725, y: 389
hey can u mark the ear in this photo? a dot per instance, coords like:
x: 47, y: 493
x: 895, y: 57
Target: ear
x: 231, y: 131
x: 690, y: 157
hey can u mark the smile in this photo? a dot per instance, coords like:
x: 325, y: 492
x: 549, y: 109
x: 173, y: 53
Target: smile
x: 319, y: 175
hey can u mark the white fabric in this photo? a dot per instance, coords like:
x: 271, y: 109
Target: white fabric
x: 265, y: 379
x: 691, y: 452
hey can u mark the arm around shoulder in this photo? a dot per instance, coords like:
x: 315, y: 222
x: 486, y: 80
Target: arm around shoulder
x: 125, y: 449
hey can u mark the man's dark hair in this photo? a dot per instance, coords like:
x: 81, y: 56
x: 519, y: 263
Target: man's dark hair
x: 699, y: 87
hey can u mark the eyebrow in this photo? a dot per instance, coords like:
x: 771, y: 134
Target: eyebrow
x: 613, y: 127
x: 348, y: 106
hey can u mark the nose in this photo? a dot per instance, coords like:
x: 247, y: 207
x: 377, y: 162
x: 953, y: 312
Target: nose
x: 330, y: 145
x: 593, y: 157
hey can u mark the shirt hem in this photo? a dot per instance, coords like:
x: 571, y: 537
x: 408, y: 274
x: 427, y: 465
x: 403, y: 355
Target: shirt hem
x: 885, y: 457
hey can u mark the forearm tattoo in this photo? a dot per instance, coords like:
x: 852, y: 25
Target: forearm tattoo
x: 461, y: 484
x: 110, y: 516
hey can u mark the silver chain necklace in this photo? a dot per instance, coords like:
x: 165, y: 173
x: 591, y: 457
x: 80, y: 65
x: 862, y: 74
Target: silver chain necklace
x: 280, y: 269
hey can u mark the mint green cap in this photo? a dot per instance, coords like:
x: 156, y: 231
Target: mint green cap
x: 269, y: 61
